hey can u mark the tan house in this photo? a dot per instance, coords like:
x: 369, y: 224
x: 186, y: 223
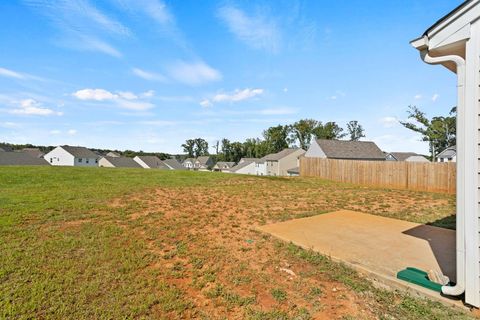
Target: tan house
x: 278, y: 164
x: 118, y: 162
x: 203, y: 163
x: 223, y: 166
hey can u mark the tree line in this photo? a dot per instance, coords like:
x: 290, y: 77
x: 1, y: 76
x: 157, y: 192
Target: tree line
x: 275, y: 139
x: 439, y: 131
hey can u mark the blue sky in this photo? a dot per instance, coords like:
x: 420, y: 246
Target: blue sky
x: 149, y: 74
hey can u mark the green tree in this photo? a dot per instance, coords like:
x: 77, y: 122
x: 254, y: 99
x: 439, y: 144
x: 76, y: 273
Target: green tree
x: 302, y: 131
x: 355, y: 130
x: 276, y: 138
x: 329, y: 131
x: 439, y: 132
x: 189, y: 147
x: 201, y: 147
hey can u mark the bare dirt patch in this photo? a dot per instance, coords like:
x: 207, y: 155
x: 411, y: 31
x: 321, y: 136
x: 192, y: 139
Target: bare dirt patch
x: 207, y: 245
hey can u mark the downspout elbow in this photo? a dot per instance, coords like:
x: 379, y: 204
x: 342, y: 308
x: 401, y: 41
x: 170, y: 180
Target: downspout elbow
x: 459, y: 288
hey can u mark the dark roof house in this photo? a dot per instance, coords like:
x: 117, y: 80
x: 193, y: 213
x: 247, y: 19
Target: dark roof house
x: 20, y: 159
x: 80, y: 152
x: 349, y: 150
x: 173, y: 164
x: 150, y: 162
x: 118, y: 162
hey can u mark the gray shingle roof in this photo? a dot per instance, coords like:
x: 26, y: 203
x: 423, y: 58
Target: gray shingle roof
x: 355, y: 150
x: 5, y: 148
x: 402, y: 156
x: 123, y: 162
x: 279, y: 155
x: 173, y: 164
x: 203, y: 160
x: 153, y: 162
x: 34, y: 152
x: 448, y: 153
x: 224, y: 164
x: 20, y: 159
x: 243, y: 164
x: 113, y: 154
x: 80, y: 152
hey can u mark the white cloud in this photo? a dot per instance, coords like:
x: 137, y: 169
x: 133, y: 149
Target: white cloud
x: 148, y: 94
x: 159, y: 123
x: 435, y: 97
x: 237, y: 95
x: 11, y: 74
x: 33, y: 107
x: 147, y: 75
x: 417, y: 96
x: 285, y: 89
x: 94, y: 94
x: 388, y: 122
x: 127, y: 95
x: 92, y: 43
x: 194, y: 73
x: 55, y: 132
x: 124, y: 99
x: 4, y: 72
x: 257, y: 31
x: 72, y: 132
x: 206, y: 103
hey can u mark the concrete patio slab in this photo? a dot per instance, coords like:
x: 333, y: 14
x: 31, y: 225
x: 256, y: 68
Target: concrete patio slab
x: 374, y: 245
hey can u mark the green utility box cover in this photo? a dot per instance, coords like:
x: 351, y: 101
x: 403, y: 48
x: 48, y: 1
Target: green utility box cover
x: 418, y: 277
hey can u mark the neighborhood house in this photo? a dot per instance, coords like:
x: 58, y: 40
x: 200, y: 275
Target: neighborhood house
x: 406, y: 156
x: 347, y: 150
x: 278, y: 164
x: 448, y: 155
x: 118, y: 162
x: 150, y: 162
x: 72, y: 156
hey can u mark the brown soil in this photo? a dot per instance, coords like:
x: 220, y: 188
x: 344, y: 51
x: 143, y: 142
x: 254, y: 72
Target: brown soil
x: 206, y: 245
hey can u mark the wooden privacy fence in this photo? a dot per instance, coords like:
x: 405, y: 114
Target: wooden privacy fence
x: 420, y: 176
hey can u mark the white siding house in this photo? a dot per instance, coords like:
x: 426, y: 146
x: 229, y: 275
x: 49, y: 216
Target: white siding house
x: 245, y: 166
x: 72, y: 156
x: 454, y: 42
x: 405, y: 156
x: 448, y: 155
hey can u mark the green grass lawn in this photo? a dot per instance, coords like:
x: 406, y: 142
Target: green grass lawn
x: 83, y: 243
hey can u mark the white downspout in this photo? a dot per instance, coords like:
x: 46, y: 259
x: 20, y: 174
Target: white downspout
x: 459, y: 288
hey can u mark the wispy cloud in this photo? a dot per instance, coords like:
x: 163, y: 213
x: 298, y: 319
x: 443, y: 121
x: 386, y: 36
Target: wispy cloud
x: 435, y: 97
x: 4, y: 72
x: 80, y: 23
x: 235, y: 96
x: 418, y: 96
x: 122, y: 99
x: 258, y: 31
x: 158, y: 11
x: 33, y: 107
x: 194, y: 73
x: 147, y: 75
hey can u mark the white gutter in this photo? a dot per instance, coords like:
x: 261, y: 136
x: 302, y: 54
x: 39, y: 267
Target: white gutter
x: 459, y: 288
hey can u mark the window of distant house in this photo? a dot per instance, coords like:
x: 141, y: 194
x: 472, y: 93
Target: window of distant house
x: 449, y: 159
x: 51, y: 160
x: 79, y: 160
x: 86, y: 160
x: 96, y: 160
